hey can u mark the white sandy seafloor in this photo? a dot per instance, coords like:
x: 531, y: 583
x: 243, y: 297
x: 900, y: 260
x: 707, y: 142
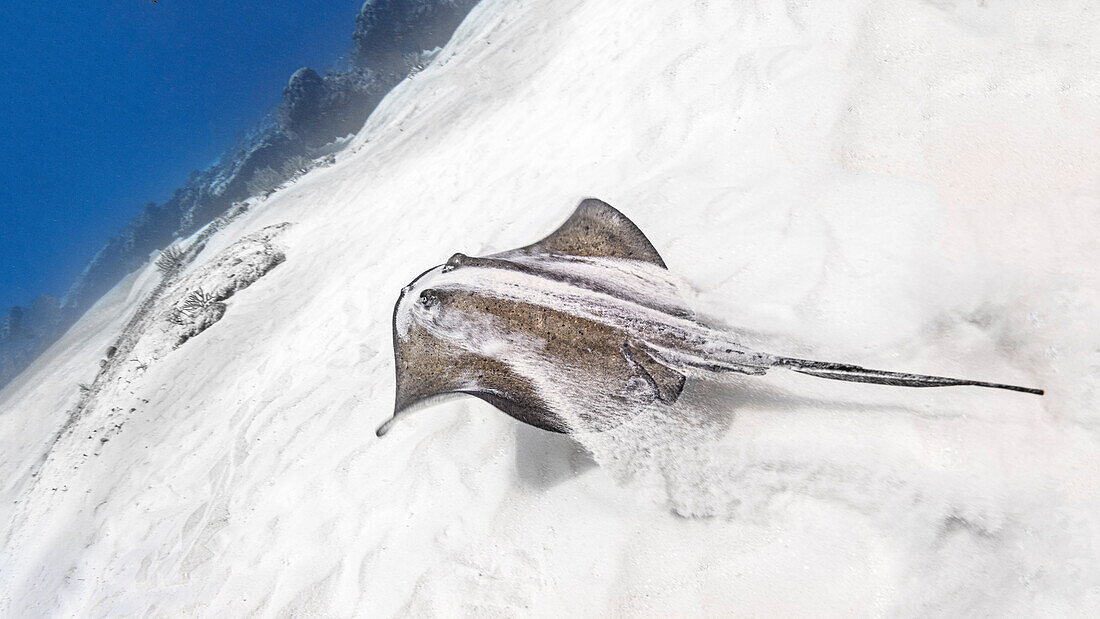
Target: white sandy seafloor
x: 911, y: 186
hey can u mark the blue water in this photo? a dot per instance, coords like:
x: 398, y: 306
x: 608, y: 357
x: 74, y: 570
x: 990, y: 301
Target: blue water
x: 108, y: 105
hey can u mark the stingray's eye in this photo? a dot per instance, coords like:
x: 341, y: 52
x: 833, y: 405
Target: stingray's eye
x: 428, y: 298
x: 454, y: 262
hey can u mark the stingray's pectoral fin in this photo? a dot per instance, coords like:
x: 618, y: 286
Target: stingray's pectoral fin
x: 665, y: 382
x: 854, y: 373
x: 385, y: 427
x: 597, y: 229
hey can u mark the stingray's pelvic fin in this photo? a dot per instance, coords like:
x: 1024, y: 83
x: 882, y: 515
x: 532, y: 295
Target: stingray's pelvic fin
x: 666, y: 382
x: 597, y: 229
x: 854, y: 373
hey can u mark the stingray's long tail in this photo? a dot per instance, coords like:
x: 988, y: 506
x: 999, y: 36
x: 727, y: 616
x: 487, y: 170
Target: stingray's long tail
x: 854, y: 373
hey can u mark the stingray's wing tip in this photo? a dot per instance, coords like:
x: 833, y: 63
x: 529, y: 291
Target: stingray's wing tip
x: 385, y: 427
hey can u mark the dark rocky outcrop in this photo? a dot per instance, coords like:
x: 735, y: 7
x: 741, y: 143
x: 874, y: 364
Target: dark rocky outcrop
x: 388, y: 31
x: 389, y: 36
x: 303, y: 101
x: 315, y: 111
x: 24, y: 333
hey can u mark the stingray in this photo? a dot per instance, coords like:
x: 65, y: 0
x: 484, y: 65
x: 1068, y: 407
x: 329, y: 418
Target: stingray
x: 577, y: 332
